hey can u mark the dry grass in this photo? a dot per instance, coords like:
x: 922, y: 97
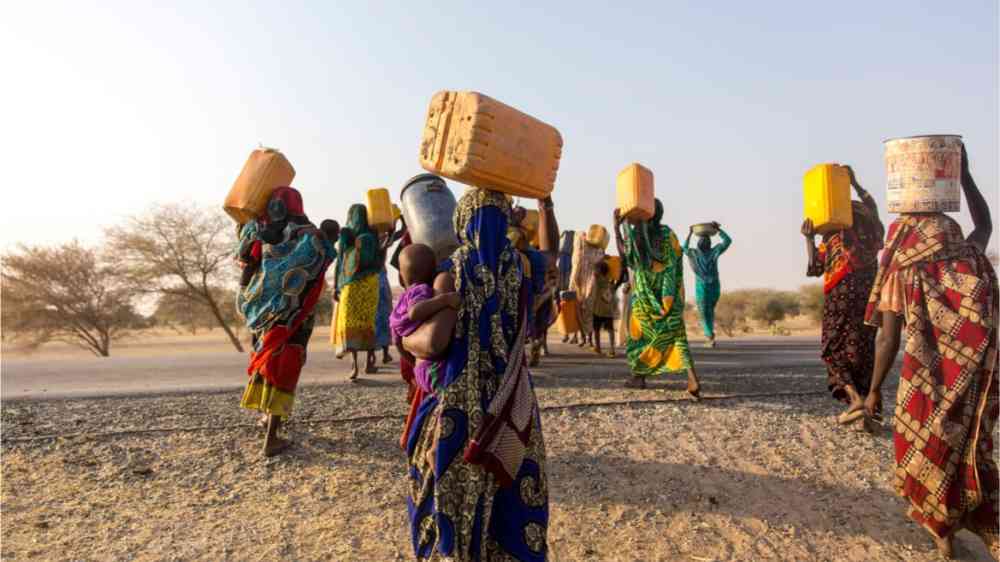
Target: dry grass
x: 769, y: 477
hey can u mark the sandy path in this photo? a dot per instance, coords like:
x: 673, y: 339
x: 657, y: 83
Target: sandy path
x: 768, y: 477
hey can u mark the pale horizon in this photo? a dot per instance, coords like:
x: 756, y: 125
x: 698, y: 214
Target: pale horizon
x: 117, y: 107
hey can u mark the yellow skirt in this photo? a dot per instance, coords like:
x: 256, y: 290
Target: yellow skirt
x: 354, y: 324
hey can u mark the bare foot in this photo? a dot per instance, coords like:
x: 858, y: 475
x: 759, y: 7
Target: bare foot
x: 694, y: 392
x: 275, y: 446
x: 945, y: 547
x: 693, y: 387
x: 853, y: 412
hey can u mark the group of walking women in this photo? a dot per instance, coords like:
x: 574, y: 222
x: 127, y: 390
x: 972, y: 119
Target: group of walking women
x: 477, y: 480
x: 934, y: 293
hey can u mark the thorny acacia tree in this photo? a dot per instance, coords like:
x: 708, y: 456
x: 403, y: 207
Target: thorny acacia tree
x: 179, y: 250
x: 66, y: 293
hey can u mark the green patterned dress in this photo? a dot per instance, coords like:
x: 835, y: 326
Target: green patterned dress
x: 657, y: 338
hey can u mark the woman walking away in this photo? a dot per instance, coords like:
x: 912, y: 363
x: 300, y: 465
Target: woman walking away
x: 283, y: 258
x: 657, y: 338
x: 704, y: 260
x: 585, y: 260
x: 358, y: 270
x: 478, y: 483
x: 848, y: 260
x: 383, y: 335
x: 565, y: 263
x: 940, y: 288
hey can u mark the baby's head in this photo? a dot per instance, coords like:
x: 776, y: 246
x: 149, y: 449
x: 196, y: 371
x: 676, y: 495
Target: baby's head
x: 417, y: 264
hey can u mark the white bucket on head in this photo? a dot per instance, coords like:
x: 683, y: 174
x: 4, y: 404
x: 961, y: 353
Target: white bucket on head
x: 923, y: 174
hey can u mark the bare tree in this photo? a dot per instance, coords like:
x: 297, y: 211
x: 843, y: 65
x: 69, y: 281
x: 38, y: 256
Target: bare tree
x: 176, y: 312
x: 66, y: 293
x: 179, y: 250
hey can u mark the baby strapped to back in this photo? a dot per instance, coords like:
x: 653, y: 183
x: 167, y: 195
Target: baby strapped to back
x: 417, y: 267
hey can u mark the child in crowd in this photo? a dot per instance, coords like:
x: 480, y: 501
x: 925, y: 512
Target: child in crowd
x: 417, y: 267
x: 604, y: 306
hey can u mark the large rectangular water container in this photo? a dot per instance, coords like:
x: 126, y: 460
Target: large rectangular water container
x: 379, y: 208
x: 475, y: 139
x: 266, y: 170
x: 568, y: 321
x: 614, y: 267
x: 636, y: 197
x: 923, y: 174
x: 826, y: 196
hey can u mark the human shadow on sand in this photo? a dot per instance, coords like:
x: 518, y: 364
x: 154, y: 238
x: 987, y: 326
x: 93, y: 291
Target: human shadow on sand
x: 821, y: 507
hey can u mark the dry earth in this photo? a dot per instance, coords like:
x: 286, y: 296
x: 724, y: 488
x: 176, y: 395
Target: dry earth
x: 750, y: 473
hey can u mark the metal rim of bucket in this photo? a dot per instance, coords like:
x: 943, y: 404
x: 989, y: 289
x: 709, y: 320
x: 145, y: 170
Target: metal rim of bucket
x: 420, y: 178
x: 920, y: 137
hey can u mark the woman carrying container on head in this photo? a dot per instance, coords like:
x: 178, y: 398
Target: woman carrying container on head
x: 704, y: 260
x: 939, y: 287
x: 565, y: 265
x: 585, y: 259
x: 847, y: 260
x: 657, y: 342
x: 283, y: 258
x: 384, y: 309
x: 478, y: 487
x: 358, y: 289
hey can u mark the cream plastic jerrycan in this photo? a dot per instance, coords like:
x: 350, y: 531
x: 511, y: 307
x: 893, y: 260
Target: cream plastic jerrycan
x: 635, y: 194
x: 477, y: 140
x: 266, y: 170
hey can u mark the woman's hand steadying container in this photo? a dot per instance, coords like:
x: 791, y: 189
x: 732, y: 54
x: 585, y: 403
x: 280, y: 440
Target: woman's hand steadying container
x: 808, y: 230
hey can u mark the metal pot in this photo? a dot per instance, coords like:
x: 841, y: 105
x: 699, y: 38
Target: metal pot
x: 705, y: 229
x: 428, y: 208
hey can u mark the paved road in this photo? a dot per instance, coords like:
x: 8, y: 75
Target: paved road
x: 45, y: 378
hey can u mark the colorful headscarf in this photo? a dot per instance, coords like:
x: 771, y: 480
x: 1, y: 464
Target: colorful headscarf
x: 358, y: 248
x: 852, y: 249
x: 648, y: 237
x: 282, y: 283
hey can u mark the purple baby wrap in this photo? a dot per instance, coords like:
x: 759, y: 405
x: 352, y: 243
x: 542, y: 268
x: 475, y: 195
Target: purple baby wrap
x: 401, y: 326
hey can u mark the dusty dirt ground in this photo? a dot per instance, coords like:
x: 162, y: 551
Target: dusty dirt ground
x: 758, y: 470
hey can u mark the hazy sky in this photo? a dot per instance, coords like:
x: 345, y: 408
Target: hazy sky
x: 108, y: 107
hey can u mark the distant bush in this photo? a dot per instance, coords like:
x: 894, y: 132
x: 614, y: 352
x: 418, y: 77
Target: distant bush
x: 771, y: 307
x: 811, y: 301
x: 732, y: 311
